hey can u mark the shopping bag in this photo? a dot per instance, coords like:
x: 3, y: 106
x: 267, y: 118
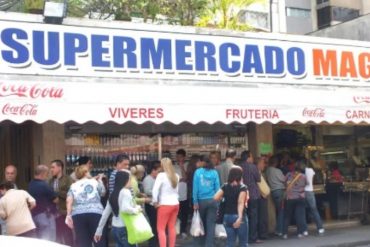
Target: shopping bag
x: 196, y: 229
x: 220, y: 212
x: 264, y: 188
x: 220, y: 231
x: 178, y: 224
x: 138, y: 228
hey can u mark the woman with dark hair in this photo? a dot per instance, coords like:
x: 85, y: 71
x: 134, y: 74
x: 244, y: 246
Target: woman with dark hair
x: 120, y: 200
x: 150, y: 210
x: 195, y: 162
x: 235, y: 219
x: 206, y: 183
x: 295, y: 199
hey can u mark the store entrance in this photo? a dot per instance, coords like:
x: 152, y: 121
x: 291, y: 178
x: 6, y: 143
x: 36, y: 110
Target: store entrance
x: 330, y: 150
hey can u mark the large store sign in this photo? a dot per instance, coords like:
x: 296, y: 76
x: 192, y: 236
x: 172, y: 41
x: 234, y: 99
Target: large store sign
x: 40, y: 49
x: 120, y: 103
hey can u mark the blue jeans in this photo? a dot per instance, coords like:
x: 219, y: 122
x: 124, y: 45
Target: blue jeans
x: 233, y: 233
x: 311, y: 204
x: 296, y: 208
x: 278, y: 197
x: 208, y: 212
x: 45, y: 226
x: 120, y: 237
x: 3, y: 227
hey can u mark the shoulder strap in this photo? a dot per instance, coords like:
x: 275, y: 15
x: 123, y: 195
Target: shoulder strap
x: 290, y: 185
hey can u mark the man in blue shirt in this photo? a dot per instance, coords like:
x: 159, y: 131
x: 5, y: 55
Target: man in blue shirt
x: 122, y: 163
x: 46, y: 200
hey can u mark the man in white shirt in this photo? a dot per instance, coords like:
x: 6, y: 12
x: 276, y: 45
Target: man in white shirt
x: 151, y: 211
x: 181, y: 169
x: 311, y: 200
x: 15, y: 209
x: 10, y: 176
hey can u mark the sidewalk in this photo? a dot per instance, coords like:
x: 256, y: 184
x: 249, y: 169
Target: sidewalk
x: 355, y: 235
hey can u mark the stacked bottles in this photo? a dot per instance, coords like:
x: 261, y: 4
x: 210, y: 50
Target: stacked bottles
x: 103, y: 149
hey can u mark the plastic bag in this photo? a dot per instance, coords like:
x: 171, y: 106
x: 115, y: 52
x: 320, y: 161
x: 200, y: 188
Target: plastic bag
x: 220, y: 231
x: 196, y: 229
x: 138, y: 228
x: 178, y: 223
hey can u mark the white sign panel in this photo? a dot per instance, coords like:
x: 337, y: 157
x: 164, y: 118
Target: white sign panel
x: 40, y: 102
x: 59, y: 50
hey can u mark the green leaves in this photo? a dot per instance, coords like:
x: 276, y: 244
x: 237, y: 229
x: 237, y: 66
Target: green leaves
x: 225, y: 14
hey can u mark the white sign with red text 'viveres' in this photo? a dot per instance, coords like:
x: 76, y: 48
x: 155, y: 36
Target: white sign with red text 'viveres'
x: 102, y: 102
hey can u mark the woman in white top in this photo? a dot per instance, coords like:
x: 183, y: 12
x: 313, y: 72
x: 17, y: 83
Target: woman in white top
x: 311, y: 201
x: 120, y: 200
x: 166, y: 200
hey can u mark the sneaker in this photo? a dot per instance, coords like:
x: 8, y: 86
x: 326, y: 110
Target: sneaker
x: 300, y: 235
x: 184, y: 235
x: 305, y: 233
x: 321, y: 231
x: 285, y: 236
x: 279, y: 234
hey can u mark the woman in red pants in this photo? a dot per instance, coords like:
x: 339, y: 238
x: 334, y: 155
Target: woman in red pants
x: 165, y: 198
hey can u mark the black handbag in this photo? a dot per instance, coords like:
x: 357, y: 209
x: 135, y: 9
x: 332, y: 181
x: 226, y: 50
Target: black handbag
x: 221, y: 212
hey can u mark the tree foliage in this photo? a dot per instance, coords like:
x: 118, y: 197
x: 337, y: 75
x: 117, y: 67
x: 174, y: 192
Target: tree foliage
x: 225, y: 14
x: 204, y: 13
x: 184, y: 12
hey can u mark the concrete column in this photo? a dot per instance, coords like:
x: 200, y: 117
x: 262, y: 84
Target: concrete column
x: 5, y: 155
x: 48, y: 142
x: 260, y: 139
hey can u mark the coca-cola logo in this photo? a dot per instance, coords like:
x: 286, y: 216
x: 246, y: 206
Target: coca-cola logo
x: 20, y: 110
x: 361, y: 99
x: 314, y: 113
x: 30, y: 91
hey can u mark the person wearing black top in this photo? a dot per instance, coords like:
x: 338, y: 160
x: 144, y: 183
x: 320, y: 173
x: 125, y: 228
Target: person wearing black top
x: 235, y: 195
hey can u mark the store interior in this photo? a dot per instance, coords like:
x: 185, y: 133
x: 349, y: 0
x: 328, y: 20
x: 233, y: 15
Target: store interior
x: 345, y: 146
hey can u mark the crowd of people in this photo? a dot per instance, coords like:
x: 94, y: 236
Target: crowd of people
x: 80, y: 210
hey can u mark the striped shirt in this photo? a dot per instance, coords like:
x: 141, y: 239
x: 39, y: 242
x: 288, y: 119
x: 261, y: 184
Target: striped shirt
x: 251, y: 176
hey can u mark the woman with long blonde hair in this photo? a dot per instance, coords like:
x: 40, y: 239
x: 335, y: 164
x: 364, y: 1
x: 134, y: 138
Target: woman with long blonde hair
x: 166, y: 200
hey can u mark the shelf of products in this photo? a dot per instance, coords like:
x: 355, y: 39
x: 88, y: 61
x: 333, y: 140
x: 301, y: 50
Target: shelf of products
x: 203, y: 144
x: 103, y: 149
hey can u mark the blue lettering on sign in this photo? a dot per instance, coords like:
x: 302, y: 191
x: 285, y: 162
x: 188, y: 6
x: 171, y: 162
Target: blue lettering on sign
x: 40, y: 55
x: 156, y: 55
x: 19, y: 53
x: 55, y: 50
x: 252, y: 60
x: 296, y: 61
x: 274, y: 58
x: 224, y: 55
x: 74, y: 44
x: 124, y: 48
x: 182, y: 55
x: 98, y: 51
x: 205, y: 51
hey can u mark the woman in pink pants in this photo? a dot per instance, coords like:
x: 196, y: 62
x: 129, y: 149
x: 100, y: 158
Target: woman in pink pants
x: 165, y: 199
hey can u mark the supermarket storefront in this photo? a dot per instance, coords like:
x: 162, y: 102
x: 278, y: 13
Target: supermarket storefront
x: 63, y: 86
